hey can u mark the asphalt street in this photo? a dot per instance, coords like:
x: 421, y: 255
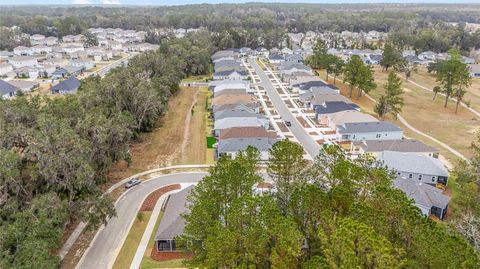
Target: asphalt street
x: 103, y: 249
x: 309, y: 144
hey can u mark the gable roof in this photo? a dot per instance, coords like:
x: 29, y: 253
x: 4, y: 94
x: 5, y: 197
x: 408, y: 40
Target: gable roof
x: 241, y: 144
x: 413, y: 163
x: 230, y: 72
x: 6, y: 88
x: 233, y: 99
x: 234, y: 113
x: 244, y: 132
x: 319, y: 99
x: 240, y: 122
x: 172, y: 223
x: 274, y: 56
x: 350, y: 116
x: 335, y: 106
x: 404, y: 145
x: 424, y: 194
x: 69, y: 85
x: 368, y: 127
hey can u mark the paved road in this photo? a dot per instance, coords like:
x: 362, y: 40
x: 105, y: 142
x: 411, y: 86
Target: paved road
x: 310, y: 145
x: 109, y: 240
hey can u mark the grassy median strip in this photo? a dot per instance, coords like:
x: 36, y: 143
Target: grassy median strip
x: 127, y: 252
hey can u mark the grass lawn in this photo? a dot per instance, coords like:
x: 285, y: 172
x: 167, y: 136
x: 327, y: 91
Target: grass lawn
x: 127, y: 252
x: 148, y: 263
x: 423, y: 78
x: 196, y: 149
x: 424, y: 114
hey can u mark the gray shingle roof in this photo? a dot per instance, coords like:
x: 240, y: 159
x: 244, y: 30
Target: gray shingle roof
x: 6, y: 88
x: 172, y: 223
x: 424, y: 194
x: 368, y: 127
x: 240, y: 122
x: 69, y: 85
x: 232, y: 113
x: 241, y: 144
x: 229, y: 72
x: 404, y: 145
x: 334, y: 106
x: 413, y: 163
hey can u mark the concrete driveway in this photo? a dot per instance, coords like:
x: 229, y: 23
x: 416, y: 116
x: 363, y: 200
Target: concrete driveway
x: 109, y: 239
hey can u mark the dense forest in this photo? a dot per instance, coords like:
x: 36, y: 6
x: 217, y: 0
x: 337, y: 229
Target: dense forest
x: 332, y: 213
x: 55, y: 152
x: 412, y: 25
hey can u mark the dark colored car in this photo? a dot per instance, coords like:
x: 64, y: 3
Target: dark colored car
x: 132, y: 182
x: 288, y: 123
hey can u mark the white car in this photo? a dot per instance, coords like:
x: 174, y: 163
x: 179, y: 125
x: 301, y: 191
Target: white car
x: 132, y: 182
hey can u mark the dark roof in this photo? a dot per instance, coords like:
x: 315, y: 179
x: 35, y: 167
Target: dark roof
x: 376, y: 57
x: 172, y: 223
x: 60, y: 71
x: 335, y: 106
x: 275, y: 56
x: 228, y: 72
x: 314, y: 83
x: 368, y: 127
x: 69, y: 85
x: 424, y: 195
x: 6, y: 88
x: 404, y: 145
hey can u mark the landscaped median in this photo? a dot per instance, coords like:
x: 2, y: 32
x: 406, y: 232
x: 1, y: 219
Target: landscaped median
x: 80, y: 239
x: 132, y: 242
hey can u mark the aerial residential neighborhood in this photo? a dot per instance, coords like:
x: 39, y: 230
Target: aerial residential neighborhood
x: 246, y: 135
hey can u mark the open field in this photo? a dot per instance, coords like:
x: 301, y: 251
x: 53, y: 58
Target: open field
x: 424, y: 114
x: 423, y: 78
x: 196, y: 148
x: 127, y: 252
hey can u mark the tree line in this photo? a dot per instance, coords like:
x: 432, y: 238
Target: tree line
x: 55, y: 152
x: 421, y: 27
x: 331, y: 213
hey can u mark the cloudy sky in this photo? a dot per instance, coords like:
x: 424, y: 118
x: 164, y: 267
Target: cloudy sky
x: 180, y: 2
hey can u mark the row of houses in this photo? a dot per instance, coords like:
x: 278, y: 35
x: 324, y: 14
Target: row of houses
x: 237, y: 114
x: 238, y: 124
x: 342, y: 123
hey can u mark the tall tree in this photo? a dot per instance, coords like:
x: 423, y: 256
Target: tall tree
x: 352, y: 72
x: 390, y: 56
x: 366, y: 80
x: 285, y: 165
x: 392, y: 101
x: 406, y: 67
x: 452, y: 74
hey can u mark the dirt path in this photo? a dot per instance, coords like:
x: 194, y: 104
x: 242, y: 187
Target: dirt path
x: 186, y: 129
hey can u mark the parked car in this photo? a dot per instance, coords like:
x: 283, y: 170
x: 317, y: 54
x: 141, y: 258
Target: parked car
x: 288, y: 123
x: 132, y: 182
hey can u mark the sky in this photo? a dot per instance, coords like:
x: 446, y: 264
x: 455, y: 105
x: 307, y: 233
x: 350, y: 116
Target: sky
x: 181, y: 2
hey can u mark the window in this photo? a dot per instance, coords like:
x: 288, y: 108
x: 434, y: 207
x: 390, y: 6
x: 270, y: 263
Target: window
x: 163, y: 245
x: 410, y: 176
x: 378, y: 135
x: 398, y: 173
x: 433, y: 179
x: 419, y: 177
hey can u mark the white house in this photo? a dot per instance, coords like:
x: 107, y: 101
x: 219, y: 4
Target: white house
x: 50, y: 41
x: 21, y: 61
x: 230, y: 75
x: 41, y: 49
x: 378, y: 130
x: 416, y: 167
x: 87, y: 64
x: 5, y: 68
x: 22, y: 51
x: 72, y: 49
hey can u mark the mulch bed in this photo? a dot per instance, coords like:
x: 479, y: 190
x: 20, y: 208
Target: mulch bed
x: 152, y: 198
